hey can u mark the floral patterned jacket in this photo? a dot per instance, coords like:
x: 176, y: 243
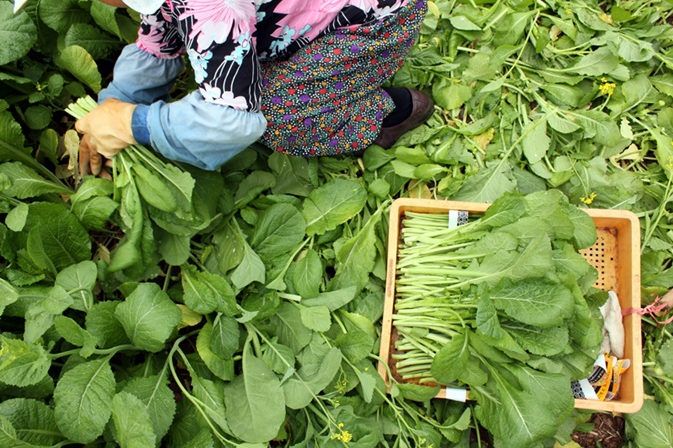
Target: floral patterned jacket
x: 225, y: 41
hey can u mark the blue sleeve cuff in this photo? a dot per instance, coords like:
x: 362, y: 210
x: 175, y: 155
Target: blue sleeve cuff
x: 201, y: 133
x: 140, y: 78
x: 141, y: 133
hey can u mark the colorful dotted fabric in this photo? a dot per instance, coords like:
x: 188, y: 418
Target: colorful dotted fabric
x: 327, y: 99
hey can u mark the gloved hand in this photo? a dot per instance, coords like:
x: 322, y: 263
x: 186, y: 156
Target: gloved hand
x: 107, y: 131
x: 90, y: 162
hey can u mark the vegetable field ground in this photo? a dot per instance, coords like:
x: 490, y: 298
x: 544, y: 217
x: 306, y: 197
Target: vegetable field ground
x: 182, y: 308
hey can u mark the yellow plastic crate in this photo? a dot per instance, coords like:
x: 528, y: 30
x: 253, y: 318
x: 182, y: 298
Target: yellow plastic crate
x: 616, y: 256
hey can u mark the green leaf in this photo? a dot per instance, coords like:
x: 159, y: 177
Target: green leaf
x: 224, y: 337
x: 8, y: 434
x: 539, y: 341
x: 148, y: 316
x: 518, y: 417
x: 488, y: 184
x: 158, y: 399
x: 133, y: 427
x: 451, y: 359
x: 463, y: 23
x: 562, y: 124
x: 417, y: 392
x: 252, y: 186
x: 83, y: 398
x: 206, y: 292
x: 153, y: 190
x: 356, y: 257
x: 92, y: 187
x: 292, y: 175
x: 26, y: 183
x: 251, y: 269
x: 487, y: 319
x: 663, y: 83
x: 40, y: 316
x: 105, y: 17
x: 16, y: 218
x: 367, y: 383
x: 536, y: 142
x: 561, y: 93
x: 56, y: 239
x: 651, y: 425
x: 61, y: 14
x: 332, y: 204
x: 76, y: 335
x: 79, y: 280
x: 535, y: 302
x: 598, y: 126
x: 355, y: 345
x: 510, y: 30
x: 17, y: 31
x: 94, y: 213
x: 32, y: 420
x: 22, y: 364
x: 92, y: 39
x: 313, y: 378
x: 665, y: 357
x: 290, y: 328
x: 664, y: 152
x: 308, y: 274
x: 38, y: 117
x: 316, y: 318
x: 174, y: 249
x: 450, y: 95
x: 254, y: 402
x: 211, y: 393
x: 333, y: 300
x: 280, y: 230
x: 81, y: 65
x: 279, y: 357
x: 550, y: 388
x: 596, y: 63
x: 8, y: 294
x: 104, y: 326
x: 221, y: 368
x: 12, y: 139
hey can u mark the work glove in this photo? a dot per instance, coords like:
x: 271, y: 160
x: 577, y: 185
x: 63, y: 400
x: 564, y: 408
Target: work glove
x: 107, y: 130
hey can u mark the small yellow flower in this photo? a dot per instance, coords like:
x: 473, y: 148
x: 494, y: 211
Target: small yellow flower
x: 607, y: 88
x: 589, y: 198
x: 343, y: 436
x: 569, y: 11
x: 607, y: 18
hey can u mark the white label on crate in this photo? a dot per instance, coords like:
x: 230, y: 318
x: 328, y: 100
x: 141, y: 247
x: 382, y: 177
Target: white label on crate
x: 453, y: 219
x: 456, y: 394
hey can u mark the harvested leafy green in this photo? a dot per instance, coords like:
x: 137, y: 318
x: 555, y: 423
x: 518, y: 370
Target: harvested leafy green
x: 497, y: 305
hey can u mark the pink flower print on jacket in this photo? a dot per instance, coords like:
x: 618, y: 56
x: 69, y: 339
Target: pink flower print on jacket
x: 153, y: 40
x: 215, y: 20
x: 300, y: 13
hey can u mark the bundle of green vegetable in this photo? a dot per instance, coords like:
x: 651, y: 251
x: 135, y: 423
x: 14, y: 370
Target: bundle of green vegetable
x: 503, y: 305
x: 145, y: 186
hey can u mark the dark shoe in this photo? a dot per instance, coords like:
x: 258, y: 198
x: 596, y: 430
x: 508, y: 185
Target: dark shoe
x: 422, y: 109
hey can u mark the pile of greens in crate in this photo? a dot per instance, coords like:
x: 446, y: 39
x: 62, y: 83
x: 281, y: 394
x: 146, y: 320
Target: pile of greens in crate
x: 503, y: 305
